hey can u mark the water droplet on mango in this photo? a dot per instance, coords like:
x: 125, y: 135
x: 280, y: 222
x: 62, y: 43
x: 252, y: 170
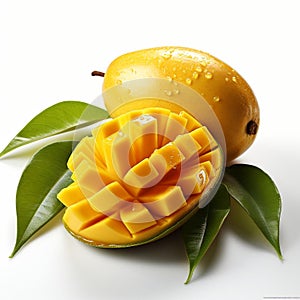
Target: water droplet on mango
x: 195, y: 75
x: 199, y: 69
x: 169, y: 78
x: 166, y: 55
x: 168, y: 92
x: 208, y: 75
x: 188, y: 81
x: 203, y: 63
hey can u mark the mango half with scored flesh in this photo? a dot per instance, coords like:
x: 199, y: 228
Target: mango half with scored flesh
x: 139, y: 177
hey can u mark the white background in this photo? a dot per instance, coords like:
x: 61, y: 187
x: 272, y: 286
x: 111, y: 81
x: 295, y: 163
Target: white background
x: 48, y: 50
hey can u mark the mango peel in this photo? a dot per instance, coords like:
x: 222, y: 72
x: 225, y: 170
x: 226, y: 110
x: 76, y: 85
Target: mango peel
x: 139, y: 177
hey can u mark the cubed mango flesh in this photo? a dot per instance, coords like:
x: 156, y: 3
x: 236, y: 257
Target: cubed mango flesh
x: 137, y: 176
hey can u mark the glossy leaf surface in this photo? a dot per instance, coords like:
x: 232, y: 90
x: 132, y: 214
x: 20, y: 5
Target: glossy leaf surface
x: 201, y: 230
x: 42, y: 179
x: 60, y: 118
x: 256, y: 192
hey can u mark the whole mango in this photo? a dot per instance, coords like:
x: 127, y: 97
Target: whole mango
x: 224, y: 89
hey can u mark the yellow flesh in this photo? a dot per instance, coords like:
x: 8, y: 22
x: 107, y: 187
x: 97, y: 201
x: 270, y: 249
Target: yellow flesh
x: 137, y: 176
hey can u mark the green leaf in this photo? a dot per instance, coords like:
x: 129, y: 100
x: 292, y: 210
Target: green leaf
x: 61, y: 117
x: 40, y: 182
x: 255, y: 191
x: 201, y: 230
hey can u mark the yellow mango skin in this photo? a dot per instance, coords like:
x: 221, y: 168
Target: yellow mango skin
x: 225, y: 90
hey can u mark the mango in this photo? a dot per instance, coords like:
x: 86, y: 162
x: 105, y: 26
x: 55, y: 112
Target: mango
x: 139, y: 177
x: 222, y: 87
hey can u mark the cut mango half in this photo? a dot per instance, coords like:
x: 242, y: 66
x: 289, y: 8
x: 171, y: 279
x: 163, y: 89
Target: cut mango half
x: 139, y: 177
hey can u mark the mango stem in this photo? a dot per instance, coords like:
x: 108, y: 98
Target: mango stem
x: 98, y: 73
